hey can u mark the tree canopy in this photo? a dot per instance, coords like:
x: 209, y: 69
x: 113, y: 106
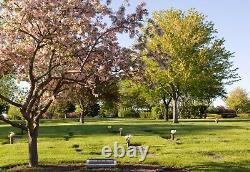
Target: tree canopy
x: 183, y: 48
x: 238, y: 100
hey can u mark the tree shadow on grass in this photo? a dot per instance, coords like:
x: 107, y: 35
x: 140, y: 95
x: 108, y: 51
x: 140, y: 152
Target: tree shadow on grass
x: 59, y: 131
x: 212, y: 120
x: 88, y: 130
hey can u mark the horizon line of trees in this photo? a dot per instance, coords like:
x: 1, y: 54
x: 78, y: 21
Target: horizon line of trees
x: 136, y: 106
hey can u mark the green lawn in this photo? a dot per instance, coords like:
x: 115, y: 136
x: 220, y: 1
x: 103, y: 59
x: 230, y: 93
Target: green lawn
x: 200, y: 145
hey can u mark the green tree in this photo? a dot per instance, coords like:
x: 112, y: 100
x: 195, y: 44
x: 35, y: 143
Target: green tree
x: 109, y: 108
x: 64, y: 107
x: 238, y: 100
x: 14, y: 113
x: 131, y: 95
x: 187, y: 52
x: 108, y: 96
x: 156, y: 87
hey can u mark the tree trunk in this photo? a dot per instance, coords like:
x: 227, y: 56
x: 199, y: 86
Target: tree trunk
x: 82, y: 112
x: 33, y: 155
x: 166, y: 105
x: 166, y: 114
x: 81, y: 117
x: 175, y: 109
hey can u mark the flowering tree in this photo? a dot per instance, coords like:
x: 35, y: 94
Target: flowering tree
x: 52, y: 44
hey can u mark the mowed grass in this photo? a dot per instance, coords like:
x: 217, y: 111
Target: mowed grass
x: 200, y: 145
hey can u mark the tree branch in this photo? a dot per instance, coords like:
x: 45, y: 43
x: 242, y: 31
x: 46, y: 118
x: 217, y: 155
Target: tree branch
x: 50, y: 66
x: 97, y: 42
x: 13, y: 124
x: 31, y: 63
x: 27, y: 33
x: 47, y: 73
x: 55, y: 92
x: 10, y: 101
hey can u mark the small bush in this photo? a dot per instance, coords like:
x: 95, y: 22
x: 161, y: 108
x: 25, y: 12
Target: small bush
x: 72, y: 115
x: 71, y: 134
x: 224, y: 112
x: 156, y: 112
x: 211, y: 110
x: 227, y: 113
x: 128, y: 113
x: 145, y: 115
x: 244, y: 116
x: 193, y: 111
x: 109, y: 110
x: 92, y: 110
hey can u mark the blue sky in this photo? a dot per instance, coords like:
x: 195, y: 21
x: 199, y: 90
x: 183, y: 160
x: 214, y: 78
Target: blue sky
x: 231, y: 19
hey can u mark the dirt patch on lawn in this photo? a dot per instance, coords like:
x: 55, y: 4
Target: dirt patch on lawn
x: 80, y: 167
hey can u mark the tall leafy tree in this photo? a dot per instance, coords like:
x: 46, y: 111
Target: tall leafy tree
x: 132, y: 95
x: 108, y: 97
x: 188, y: 54
x: 51, y: 44
x: 64, y: 106
x: 238, y: 100
x: 156, y: 84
